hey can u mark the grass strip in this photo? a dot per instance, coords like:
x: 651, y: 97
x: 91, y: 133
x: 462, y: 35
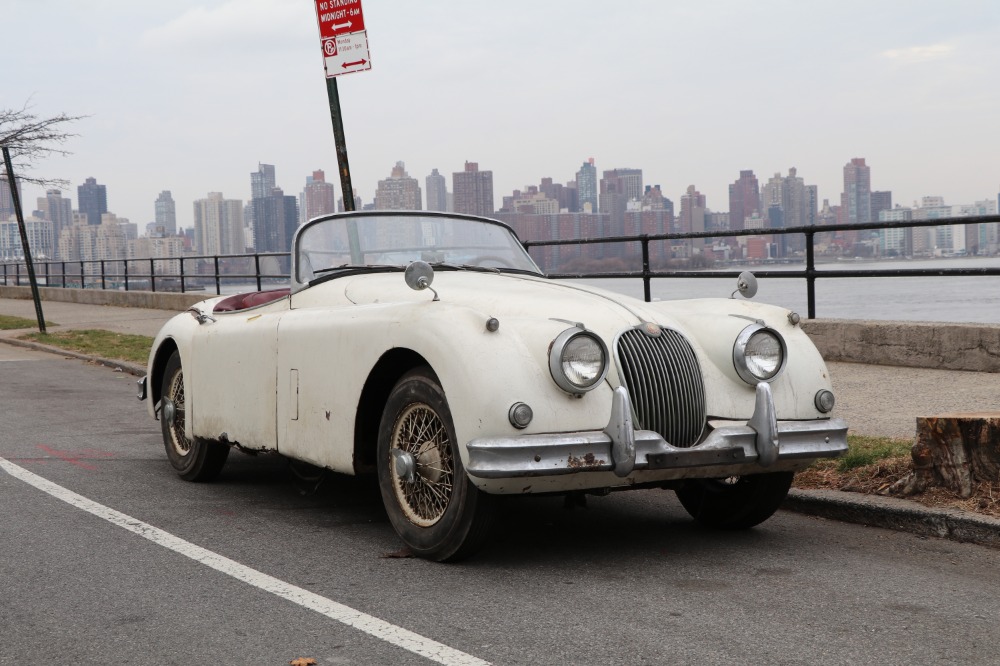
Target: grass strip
x: 105, y: 344
x: 8, y: 323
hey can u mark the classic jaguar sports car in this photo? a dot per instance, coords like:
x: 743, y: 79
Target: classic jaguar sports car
x: 493, y: 381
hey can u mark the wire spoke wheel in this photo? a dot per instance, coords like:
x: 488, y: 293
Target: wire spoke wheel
x: 194, y: 459
x: 430, y: 501
x: 174, y: 413
x: 420, y: 432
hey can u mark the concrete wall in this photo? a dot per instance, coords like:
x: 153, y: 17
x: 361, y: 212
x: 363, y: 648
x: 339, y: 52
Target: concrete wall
x: 130, y: 299
x: 913, y: 344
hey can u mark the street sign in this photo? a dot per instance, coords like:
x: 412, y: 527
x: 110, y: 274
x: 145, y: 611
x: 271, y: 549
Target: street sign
x: 342, y: 36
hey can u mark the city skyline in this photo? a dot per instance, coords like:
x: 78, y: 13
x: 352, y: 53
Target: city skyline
x: 627, y: 205
x: 187, y: 96
x: 263, y: 180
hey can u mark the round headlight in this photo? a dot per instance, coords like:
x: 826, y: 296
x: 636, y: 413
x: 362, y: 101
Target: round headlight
x: 759, y: 354
x: 578, y: 360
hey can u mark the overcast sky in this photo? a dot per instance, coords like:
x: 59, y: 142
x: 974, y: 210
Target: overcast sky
x: 189, y: 95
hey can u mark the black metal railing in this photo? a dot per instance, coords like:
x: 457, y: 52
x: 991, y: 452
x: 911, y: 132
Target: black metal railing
x: 810, y: 273
x: 174, y: 273
x: 214, y: 270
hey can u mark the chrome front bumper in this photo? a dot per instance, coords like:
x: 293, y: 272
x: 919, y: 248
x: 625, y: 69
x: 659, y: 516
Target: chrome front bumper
x: 761, y: 443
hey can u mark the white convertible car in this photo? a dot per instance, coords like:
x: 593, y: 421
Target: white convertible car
x: 428, y: 349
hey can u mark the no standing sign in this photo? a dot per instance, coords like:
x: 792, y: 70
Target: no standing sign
x: 342, y: 36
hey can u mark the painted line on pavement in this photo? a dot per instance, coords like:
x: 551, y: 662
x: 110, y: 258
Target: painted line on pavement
x: 369, y: 624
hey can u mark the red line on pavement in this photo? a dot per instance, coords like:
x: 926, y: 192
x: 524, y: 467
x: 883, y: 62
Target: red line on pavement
x: 66, y: 457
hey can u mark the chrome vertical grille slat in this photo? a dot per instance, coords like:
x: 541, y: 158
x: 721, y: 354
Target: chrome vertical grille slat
x: 664, y: 379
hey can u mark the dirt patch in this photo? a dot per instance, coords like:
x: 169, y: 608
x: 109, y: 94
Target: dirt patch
x: 879, y: 477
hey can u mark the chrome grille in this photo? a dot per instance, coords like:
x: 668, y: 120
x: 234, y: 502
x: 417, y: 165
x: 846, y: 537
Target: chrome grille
x: 664, y: 380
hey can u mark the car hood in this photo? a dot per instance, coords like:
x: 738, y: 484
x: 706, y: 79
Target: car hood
x: 505, y: 295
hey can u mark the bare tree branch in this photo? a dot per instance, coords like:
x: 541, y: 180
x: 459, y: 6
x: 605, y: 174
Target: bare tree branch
x: 30, y: 139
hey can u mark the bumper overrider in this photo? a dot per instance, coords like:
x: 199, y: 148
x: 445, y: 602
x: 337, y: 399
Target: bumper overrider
x: 761, y: 444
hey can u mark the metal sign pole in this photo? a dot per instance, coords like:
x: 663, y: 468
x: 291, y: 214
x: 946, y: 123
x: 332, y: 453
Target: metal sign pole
x: 340, y: 142
x: 24, y: 238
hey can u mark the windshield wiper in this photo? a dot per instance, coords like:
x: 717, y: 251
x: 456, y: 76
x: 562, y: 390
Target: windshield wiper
x: 465, y: 267
x: 348, y: 267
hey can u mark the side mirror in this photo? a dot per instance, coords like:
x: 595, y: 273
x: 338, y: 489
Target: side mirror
x: 746, y: 284
x: 419, y: 275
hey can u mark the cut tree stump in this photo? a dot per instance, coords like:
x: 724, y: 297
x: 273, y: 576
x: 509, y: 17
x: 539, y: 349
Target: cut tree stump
x: 954, y: 451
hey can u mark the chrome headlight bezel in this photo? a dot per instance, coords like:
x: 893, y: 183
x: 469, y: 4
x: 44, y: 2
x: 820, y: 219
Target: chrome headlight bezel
x: 746, y: 340
x: 557, y: 354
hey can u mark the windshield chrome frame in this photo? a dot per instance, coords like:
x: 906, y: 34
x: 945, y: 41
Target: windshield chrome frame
x: 296, y: 285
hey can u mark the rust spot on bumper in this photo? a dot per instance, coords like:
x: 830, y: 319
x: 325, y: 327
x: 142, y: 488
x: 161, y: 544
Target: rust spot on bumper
x: 588, y: 460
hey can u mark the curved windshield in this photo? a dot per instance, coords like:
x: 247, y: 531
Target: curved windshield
x: 379, y: 240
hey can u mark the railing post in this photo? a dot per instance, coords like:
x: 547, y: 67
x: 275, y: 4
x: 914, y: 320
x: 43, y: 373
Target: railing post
x: 182, y: 275
x: 103, y: 282
x: 256, y: 264
x: 811, y: 274
x: 645, y: 269
x: 126, y: 275
x: 62, y: 267
x: 218, y: 280
x: 152, y: 275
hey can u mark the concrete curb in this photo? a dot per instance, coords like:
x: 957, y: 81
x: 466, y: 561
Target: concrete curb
x: 122, y: 366
x: 896, y: 514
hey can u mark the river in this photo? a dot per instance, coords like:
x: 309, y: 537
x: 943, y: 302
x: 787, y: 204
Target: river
x: 973, y: 299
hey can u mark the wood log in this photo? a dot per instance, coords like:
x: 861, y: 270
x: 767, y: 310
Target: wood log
x: 954, y: 451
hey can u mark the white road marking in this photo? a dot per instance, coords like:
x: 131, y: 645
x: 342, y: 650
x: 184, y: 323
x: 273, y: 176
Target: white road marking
x: 369, y: 624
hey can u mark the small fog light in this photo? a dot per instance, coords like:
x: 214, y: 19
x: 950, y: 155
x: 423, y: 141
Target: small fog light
x: 824, y: 401
x: 492, y: 324
x: 794, y: 318
x: 520, y: 415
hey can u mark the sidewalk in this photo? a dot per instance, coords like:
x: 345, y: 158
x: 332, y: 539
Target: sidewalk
x: 874, y: 400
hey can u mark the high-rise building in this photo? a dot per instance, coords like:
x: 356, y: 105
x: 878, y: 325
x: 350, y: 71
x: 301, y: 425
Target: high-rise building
x: 58, y: 210
x: 262, y: 181
x: 564, y: 196
x: 856, y: 201
x: 218, y: 225
x: 275, y: 218
x: 628, y: 183
x: 399, y: 191
x: 318, y: 197
x: 586, y: 187
x: 744, y: 199
x: 92, y: 200
x: 437, y: 191
x: 166, y: 214
x: 41, y: 240
x: 7, y: 199
x: 473, y: 190
x: 692, y: 217
x: 880, y: 201
x: 108, y: 241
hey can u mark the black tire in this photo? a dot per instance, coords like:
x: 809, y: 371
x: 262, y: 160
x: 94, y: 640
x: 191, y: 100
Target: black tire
x: 194, y: 460
x: 736, y: 503
x: 439, y: 515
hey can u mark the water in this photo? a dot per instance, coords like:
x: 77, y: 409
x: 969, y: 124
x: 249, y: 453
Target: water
x: 973, y: 299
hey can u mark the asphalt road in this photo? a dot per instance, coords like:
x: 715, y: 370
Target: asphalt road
x: 258, y: 568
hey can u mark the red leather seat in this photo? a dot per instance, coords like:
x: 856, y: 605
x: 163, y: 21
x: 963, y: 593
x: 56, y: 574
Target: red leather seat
x: 249, y: 300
